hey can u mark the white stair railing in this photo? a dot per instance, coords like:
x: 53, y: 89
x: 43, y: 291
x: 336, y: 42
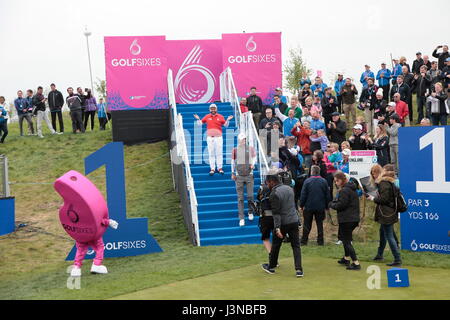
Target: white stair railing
x: 182, y: 152
x: 228, y: 93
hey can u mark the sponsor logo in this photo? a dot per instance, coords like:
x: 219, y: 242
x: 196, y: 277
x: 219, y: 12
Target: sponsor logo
x: 136, y: 62
x: 251, y: 44
x: 429, y: 246
x: 135, y: 48
x: 184, y: 91
x: 414, y: 245
x: 73, y: 215
x: 124, y: 245
x: 76, y: 229
x: 255, y: 58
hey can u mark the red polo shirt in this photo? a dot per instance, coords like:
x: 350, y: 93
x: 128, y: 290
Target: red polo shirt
x: 214, y: 124
x: 402, y: 110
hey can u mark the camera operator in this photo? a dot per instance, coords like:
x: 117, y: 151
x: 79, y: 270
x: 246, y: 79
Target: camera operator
x: 266, y: 226
x: 285, y: 220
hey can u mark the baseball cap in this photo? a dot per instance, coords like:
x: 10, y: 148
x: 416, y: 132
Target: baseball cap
x: 391, y: 104
x: 346, y: 152
x: 418, y: 53
x: 213, y: 105
x: 335, y: 114
x: 367, y: 66
x: 358, y: 127
x: 241, y: 136
x: 278, y: 89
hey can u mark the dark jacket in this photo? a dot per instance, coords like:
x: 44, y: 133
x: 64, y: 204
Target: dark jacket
x: 315, y: 194
x: 380, y: 110
x: 323, y: 168
x: 385, y: 211
x: 283, y: 205
x: 348, y: 95
x: 21, y: 105
x: 263, y: 197
x: 381, y: 145
x: 441, y: 58
x: 416, y: 66
x: 358, y: 142
x: 37, y: 102
x: 328, y: 107
x: 55, y: 100
x: 254, y: 104
x: 368, y: 96
x: 346, y: 204
x: 337, y: 134
x: 404, y: 90
x: 421, y: 84
x: 282, y: 106
x: 74, y: 102
x: 408, y: 79
x: 444, y: 74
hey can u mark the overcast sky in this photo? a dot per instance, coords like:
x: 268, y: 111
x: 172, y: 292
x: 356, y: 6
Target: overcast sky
x: 43, y: 42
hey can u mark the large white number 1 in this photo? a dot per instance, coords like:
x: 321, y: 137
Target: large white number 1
x: 436, y: 138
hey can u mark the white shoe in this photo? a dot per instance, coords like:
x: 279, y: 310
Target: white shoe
x: 339, y: 242
x: 75, y: 272
x: 241, y: 223
x: 41, y: 136
x: 99, y: 269
x: 250, y: 216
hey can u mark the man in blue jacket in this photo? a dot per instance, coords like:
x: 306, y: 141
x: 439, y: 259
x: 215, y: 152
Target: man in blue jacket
x: 383, y: 77
x: 319, y: 87
x: 366, y: 75
x: 3, y: 121
x: 337, y: 89
x: 314, y: 201
x: 22, y: 107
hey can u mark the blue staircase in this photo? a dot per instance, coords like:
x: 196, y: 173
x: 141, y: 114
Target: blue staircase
x: 216, y: 195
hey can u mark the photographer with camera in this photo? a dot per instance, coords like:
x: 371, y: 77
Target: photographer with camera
x: 286, y: 222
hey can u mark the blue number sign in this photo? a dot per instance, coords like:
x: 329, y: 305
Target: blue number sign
x: 424, y: 159
x: 131, y: 238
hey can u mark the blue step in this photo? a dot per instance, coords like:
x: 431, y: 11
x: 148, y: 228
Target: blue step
x: 223, y: 189
x: 230, y: 231
x: 203, y: 184
x: 254, y: 238
x: 226, y: 222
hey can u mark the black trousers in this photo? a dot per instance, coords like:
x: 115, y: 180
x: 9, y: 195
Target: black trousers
x: 58, y: 114
x: 102, y: 122
x: 4, y: 130
x: 345, y: 235
x: 88, y: 114
x: 422, y: 104
x: 77, y: 122
x: 339, y: 102
x: 410, y: 108
x: 308, y: 217
x: 386, y: 89
x: 292, y: 231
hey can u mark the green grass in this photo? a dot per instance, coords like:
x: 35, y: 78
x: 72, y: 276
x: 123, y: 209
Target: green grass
x: 320, y: 274
x: 32, y: 263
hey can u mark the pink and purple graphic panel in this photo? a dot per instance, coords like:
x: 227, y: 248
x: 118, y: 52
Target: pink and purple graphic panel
x: 136, y: 73
x: 255, y: 60
x: 196, y: 66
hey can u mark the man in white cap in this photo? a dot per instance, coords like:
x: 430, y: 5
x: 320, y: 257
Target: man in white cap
x: 214, y: 123
x: 243, y: 159
x: 358, y: 140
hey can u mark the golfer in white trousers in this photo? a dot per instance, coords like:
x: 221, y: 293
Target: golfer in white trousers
x: 214, y: 123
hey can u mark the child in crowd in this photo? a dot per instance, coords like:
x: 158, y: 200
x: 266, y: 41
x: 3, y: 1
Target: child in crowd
x: 322, y: 138
x: 360, y: 120
x: 316, y: 106
x: 102, y: 119
x: 345, y: 145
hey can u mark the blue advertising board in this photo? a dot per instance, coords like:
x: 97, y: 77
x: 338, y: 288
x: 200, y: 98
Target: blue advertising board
x: 131, y: 238
x: 424, y: 160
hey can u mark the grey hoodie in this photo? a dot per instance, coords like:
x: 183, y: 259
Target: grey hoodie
x: 283, y: 205
x: 393, y: 133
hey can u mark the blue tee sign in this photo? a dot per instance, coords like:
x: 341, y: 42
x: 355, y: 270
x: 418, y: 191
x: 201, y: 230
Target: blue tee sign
x: 131, y: 238
x: 424, y: 159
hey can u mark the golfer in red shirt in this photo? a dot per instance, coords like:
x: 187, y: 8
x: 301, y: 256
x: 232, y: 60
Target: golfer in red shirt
x: 214, y: 123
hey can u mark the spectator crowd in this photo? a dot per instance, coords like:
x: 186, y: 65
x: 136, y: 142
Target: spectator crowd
x: 82, y: 106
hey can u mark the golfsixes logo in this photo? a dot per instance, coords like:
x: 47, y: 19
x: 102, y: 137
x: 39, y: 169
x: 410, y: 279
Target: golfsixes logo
x: 135, y: 50
x: 251, y: 47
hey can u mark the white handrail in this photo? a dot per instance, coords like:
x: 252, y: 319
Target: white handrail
x: 244, y: 121
x: 183, y: 153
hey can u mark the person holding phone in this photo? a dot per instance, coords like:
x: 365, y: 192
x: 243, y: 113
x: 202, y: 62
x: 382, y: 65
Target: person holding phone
x: 441, y: 56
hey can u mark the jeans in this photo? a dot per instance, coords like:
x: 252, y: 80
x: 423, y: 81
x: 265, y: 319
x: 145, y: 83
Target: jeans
x: 307, y: 224
x: 437, y: 119
x: 27, y: 117
x: 77, y: 122
x: 4, y: 129
x: 387, y: 235
x: 60, y: 120
x: 292, y: 231
x: 240, y: 181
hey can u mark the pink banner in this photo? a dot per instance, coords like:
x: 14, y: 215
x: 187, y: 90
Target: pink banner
x: 364, y: 153
x: 136, y: 73
x: 255, y: 60
x: 196, y: 66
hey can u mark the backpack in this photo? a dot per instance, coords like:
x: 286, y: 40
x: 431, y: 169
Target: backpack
x: 400, y: 202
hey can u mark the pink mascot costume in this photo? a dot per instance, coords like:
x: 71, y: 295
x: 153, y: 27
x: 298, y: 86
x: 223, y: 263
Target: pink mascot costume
x: 84, y: 216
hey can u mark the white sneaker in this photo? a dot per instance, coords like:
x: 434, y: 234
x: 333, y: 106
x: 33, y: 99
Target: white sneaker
x: 41, y: 136
x: 241, y: 223
x: 75, y: 272
x: 99, y: 269
x: 250, y: 216
x: 339, y: 242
